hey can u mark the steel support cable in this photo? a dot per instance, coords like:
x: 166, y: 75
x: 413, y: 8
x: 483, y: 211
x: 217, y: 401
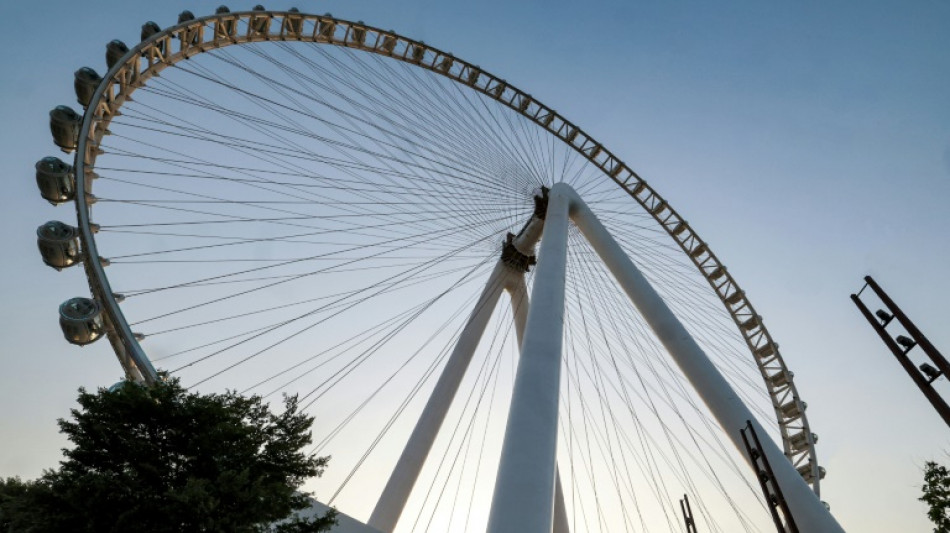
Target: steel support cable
x: 330, y: 183
x: 433, y: 366
x: 413, y: 118
x: 588, y: 292
x: 341, y: 375
x: 275, y: 154
x: 713, y: 338
x: 132, y: 292
x: 409, y: 192
x: 422, y: 308
x: 311, y: 273
x: 443, y: 353
x: 365, y: 335
x: 378, y: 190
x: 354, y: 229
x: 685, y: 471
x: 422, y: 280
x: 218, y: 341
x: 485, y: 432
x: 466, y: 436
x: 336, y: 126
x: 320, y: 181
x: 258, y: 203
x: 229, y: 142
x: 300, y: 276
x: 715, y: 335
x: 411, y: 312
x: 658, y: 479
x: 450, y: 111
x: 278, y: 86
x: 587, y: 454
x: 440, y: 185
x: 147, y: 143
x: 332, y: 142
x: 725, y: 456
x: 275, y: 283
x: 673, y: 406
x: 330, y: 269
x: 724, y: 329
x: 654, y: 473
x: 203, y: 99
x: 566, y: 396
x: 584, y: 312
x: 620, y: 339
x: 587, y: 460
x: 459, y: 148
x: 440, y: 295
x: 579, y: 505
x: 533, y: 164
x: 480, y: 107
x: 354, y: 87
x: 306, y: 328
x: 451, y: 102
x: 364, y: 355
x: 488, y: 367
x: 300, y: 216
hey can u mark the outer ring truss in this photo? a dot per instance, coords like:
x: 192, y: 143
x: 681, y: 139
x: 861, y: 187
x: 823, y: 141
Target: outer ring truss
x: 189, y: 38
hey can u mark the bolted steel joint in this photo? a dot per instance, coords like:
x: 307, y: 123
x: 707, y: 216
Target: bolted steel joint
x: 514, y: 258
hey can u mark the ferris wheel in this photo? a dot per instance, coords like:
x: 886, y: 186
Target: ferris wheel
x: 301, y: 204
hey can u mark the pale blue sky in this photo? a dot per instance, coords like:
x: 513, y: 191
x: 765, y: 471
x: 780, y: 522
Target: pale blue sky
x: 808, y: 142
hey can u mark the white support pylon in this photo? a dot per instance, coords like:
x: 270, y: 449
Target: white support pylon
x: 523, y: 500
x: 396, y: 493
x: 520, y: 305
x: 718, y: 395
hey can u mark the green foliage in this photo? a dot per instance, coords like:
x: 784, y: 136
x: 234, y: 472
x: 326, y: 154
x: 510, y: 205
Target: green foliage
x: 161, y: 459
x: 936, y: 491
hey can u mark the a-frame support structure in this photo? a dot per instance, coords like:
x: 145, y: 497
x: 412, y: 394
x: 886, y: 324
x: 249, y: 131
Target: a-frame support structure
x: 527, y: 496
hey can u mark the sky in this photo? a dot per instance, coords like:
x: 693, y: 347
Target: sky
x: 808, y: 143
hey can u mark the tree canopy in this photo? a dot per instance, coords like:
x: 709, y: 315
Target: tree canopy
x: 162, y: 459
x: 936, y: 491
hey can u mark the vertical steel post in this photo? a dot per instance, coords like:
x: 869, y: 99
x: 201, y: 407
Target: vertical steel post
x: 712, y: 387
x: 523, y: 500
x: 770, y: 488
x: 688, y: 515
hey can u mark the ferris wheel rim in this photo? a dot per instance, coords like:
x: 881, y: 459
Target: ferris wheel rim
x: 126, y: 75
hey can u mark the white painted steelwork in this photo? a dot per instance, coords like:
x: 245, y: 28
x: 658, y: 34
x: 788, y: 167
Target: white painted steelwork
x: 524, y: 490
x: 523, y: 499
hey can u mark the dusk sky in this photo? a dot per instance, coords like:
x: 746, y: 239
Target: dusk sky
x: 807, y: 142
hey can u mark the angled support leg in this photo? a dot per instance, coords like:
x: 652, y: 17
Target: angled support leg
x: 396, y: 493
x: 706, y: 379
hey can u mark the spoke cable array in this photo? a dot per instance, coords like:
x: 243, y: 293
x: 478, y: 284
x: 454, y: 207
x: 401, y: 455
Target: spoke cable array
x: 294, y: 218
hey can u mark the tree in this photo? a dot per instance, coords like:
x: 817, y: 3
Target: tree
x: 161, y: 459
x: 936, y: 491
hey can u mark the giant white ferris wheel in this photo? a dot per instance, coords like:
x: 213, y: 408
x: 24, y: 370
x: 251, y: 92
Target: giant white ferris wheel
x: 301, y: 204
